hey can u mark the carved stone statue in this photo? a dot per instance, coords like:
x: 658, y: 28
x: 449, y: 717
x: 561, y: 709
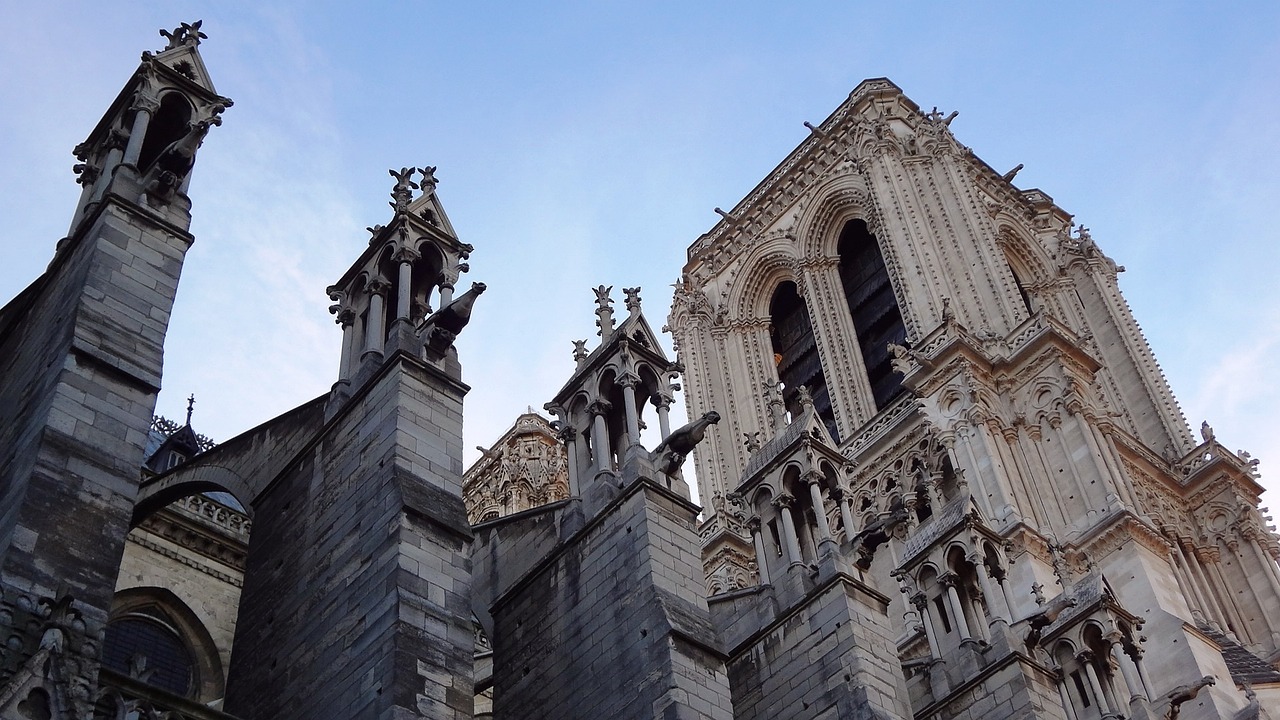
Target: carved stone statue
x: 670, y: 453
x: 443, y: 327
x: 174, y: 163
x: 1206, y: 431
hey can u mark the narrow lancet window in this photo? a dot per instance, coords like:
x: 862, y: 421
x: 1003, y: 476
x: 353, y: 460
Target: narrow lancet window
x: 796, y: 354
x: 873, y: 307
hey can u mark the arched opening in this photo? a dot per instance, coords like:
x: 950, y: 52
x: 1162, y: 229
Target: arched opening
x: 153, y: 636
x: 873, y: 308
x: 171, y: 121
x: 795, y: 351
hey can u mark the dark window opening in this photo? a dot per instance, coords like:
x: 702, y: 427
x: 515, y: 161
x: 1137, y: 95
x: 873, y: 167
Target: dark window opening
x: 169, y: 123
x: 1022, y: 290
x: 796, y: 353
x: 141, y: 646
x: 773, y: 534
x: 942, y: 613
x: 873, y: 308
x: 1079, y: 683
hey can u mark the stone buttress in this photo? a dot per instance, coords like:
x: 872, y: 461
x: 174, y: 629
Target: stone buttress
x: 80, y: 365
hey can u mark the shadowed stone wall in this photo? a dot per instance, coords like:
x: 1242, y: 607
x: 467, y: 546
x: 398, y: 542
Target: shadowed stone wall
x: 613, y: 623
x: 357, y: 591
x: 80, y: 362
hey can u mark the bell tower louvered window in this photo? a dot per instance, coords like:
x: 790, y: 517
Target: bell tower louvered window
x: 796, y: 354
x: 873, y: 307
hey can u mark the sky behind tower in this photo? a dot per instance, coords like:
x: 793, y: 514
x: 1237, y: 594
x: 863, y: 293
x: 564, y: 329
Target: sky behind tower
x: 580, y: 144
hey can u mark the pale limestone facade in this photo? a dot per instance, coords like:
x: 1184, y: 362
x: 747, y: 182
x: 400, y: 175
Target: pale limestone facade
x: 945, y: 477
x: 1032, y: 454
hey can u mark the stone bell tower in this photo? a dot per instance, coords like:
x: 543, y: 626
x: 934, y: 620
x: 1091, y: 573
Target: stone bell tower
x: 80, y: 364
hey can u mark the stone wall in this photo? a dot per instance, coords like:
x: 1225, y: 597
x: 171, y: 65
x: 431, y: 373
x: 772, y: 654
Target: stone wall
x: 357, y: 591
x: 80, y: 362
x: 833, y: 656
x: 613, y: 623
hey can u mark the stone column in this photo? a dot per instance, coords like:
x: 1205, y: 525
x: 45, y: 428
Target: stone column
x: 846, y: 516
x: 1085, y: 658
x: 980, y: 569
x: 1148, y: 687
x: 662, y: 402
x: 1200, y: 585
x: 600, y: 435
x: 921, y: 604
x: 1242, y: 630
x: 347, y: 319
x: 1066, y: 696
x: 446, y: 292
x: 1128, y: 670
x: 953, y: 604
x: 406, y: 256
x: 375, y: 332
x: 142, y: 110
x: 116, y: 142
x: 569, y: 437
x: 790, y: 540
x: 1269, y: 568
x: 628, y: 381
x: 762, y: 559
x: 819, y: 510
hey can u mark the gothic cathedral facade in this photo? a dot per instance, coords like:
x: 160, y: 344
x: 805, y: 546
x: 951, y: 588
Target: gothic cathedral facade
x: 942, y: 474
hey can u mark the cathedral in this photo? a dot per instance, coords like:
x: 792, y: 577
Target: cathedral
x: 942, y: 475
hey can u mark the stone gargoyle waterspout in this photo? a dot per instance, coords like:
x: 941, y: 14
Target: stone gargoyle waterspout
x: 670, y: 453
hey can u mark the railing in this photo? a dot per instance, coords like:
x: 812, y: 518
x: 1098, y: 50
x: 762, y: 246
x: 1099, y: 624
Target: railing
x: 124, y: 696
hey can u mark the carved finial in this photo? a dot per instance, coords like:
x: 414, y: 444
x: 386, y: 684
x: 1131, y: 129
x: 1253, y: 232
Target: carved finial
x: 429, y: 180
x: 633, y: 299
x: 191, y: 405
x: 804, y: 397
x: 402, y: 192
x: 604, y: 313
x: 777, y: 411
x: 1206, y: 431
x: 1083, y: 236
x: 948, y: 315
x: 580, y: 351
x: 184, y: 34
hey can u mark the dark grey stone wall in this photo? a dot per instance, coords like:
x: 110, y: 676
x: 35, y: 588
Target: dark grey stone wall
x: 356, y: 600
x: 613, y: 623
x: 80, y: 364
x: 831, y: 656
x: 1013, y: 689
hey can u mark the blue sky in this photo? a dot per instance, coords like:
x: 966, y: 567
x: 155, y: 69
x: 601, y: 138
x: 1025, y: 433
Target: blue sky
x: 587, y: 143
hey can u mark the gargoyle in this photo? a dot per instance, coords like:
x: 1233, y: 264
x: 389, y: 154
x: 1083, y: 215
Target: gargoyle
x: 1183, y: 693
x: 670, y: 453
x: 443, y: 327
x: 174, y: 163
x: 1047, y: 616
